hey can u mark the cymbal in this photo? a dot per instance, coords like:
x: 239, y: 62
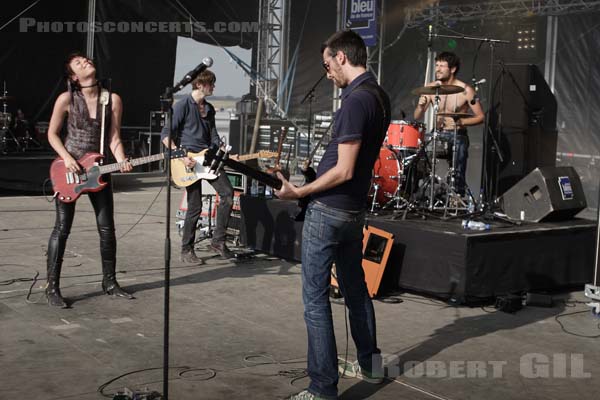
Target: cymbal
x: 455, y: 115
x: 437, y: 89
x: 7, y: 98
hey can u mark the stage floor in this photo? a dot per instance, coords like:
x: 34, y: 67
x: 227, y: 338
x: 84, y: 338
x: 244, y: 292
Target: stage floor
x: 243, y: 322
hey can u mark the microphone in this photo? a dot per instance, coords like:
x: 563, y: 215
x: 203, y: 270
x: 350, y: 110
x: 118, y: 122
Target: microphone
x: 429, y: 36
x: 190, y: 76
x: 475, y: 99
x: 477, y: 83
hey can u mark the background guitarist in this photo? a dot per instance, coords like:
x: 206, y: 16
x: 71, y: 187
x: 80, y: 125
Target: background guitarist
x: 194, y: 128
x: 81, y: 104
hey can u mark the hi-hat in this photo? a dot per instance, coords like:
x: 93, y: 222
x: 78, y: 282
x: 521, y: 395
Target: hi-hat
x: 437, y: 89
x: 454, y: 115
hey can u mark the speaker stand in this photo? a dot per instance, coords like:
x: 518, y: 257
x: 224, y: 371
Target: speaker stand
x: 592, y: 290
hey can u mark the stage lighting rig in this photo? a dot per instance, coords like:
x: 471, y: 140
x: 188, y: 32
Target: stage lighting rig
x: 526, y: 39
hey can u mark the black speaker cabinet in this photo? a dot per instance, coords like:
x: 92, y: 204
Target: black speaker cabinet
x: 523, y: 122
x: 546, y: 194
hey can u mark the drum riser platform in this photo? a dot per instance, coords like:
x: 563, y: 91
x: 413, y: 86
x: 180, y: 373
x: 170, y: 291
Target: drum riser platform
x: 439, y: 258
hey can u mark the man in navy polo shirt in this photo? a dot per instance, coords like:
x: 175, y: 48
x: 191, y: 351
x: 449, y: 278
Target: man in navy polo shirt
x: 335, y: 218
x: 194, y: 127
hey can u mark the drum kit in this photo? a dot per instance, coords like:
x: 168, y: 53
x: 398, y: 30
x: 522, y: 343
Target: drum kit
x: 405, y: 176
x: 15, y: 135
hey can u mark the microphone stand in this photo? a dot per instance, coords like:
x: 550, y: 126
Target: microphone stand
x: 166, y: 102
x: 486, y: 196
x: 166, y: 105
x: 310, y: 96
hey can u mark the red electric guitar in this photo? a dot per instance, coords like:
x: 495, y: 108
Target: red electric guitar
x: 70, y: 185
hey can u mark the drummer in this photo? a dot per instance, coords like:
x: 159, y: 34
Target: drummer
x: 447, y: 65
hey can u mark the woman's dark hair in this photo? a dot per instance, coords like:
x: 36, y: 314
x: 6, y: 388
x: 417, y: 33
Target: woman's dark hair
x: 67, y: 67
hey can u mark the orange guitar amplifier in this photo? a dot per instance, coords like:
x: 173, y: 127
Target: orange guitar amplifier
x: 377, y: 245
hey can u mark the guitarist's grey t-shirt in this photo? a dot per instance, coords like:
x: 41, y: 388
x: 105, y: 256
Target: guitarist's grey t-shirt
x: 189, y: 129
x: 362, y: 116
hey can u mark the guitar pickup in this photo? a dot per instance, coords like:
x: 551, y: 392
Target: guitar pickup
x: 74, y: 178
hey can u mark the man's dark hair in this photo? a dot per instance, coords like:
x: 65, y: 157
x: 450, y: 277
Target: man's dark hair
x: 349, y: 43
x: 204, y: 78
x: 452, y: 60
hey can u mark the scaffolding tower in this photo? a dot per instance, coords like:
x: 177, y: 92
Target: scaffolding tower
x: 271, y: 52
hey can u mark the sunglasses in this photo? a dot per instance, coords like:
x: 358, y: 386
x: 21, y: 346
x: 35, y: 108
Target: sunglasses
x: 325, y: 65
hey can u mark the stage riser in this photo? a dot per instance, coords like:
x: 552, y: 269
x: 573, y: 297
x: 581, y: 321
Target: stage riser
x: 268, y: 225
x: 467, y: 267
x: 25, y: 173
x: 440, y: 259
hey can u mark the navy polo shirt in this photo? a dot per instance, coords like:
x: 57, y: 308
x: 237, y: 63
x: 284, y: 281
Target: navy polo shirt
x: 189, y: 129
x: 360, y: 117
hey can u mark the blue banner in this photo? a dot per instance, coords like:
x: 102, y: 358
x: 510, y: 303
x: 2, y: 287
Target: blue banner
x: 361, y: 17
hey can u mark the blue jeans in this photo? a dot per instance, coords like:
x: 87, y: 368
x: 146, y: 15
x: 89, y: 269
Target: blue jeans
x: 332, y: 235
x: 462, y: 154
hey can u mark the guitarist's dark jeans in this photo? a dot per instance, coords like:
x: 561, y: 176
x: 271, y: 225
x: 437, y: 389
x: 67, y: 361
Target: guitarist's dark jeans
x: 194, y: 199
x: 102, y: 202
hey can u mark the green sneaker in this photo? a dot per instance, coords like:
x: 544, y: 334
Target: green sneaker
x: 306, y: 395
x: 353, y: 370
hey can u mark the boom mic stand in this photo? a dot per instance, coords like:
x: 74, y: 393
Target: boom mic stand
x: 166, y: 103
x: 310, y: 96
x: 487, y: 182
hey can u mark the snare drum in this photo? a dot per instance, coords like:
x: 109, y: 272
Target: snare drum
x: 405, y: 135
x: 443, y: 146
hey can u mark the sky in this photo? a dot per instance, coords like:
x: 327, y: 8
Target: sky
x: 230, y: 78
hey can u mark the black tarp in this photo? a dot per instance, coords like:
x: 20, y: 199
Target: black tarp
x: 31, y: 62
x: 320, y: 24
x: 140, y: 65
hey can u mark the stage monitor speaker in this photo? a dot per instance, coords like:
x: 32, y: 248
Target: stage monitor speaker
x: 546, y: 194
x: 523, y: 121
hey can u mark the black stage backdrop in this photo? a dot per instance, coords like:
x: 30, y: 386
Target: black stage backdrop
x: 31, y: 62
x: 320, y: 16
x: 139, y: 65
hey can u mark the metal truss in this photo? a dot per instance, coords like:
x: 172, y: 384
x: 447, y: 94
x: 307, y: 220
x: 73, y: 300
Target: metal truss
x: 498, y: 9
x: 269, y: 50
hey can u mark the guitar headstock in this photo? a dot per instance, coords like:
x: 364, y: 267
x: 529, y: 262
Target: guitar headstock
x: 178, y: 153
x: 215, y: 157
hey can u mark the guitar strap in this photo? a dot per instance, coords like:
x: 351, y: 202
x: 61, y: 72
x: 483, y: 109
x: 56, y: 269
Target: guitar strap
x: 376, y: 91
x: 104, y: 100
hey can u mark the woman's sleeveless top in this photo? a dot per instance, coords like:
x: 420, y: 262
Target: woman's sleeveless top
x: 83, y: 132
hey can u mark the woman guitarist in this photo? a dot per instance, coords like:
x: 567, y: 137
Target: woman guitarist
x: 81, y: 103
